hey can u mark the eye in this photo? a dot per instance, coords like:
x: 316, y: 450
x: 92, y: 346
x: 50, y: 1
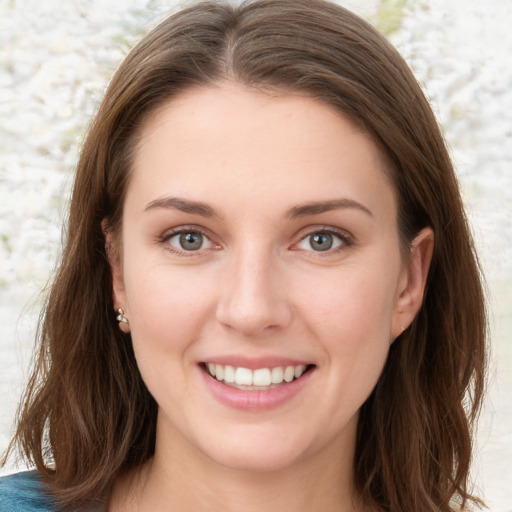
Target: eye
x: 189, y: 241
x: 322, y: 241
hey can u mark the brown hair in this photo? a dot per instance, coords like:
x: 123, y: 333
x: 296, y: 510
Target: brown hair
x: 87, y: 414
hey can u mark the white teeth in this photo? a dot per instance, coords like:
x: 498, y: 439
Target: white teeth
x: 277, y: 375
x: 243, y: 377
x: 229, y: 374
x: 299, y: 370
x: 260, y: 378
x: 289, y: 373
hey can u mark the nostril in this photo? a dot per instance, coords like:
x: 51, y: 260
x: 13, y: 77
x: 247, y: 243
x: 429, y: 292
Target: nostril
x: 253, y: 303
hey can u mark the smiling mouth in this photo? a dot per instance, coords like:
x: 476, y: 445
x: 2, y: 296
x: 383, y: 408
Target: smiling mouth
x: 259, y: 379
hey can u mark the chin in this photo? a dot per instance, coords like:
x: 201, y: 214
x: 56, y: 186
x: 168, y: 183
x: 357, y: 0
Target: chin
x: 253, y: 449
x: 256, y: 459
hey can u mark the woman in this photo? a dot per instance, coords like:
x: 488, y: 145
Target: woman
x: 269, y: 297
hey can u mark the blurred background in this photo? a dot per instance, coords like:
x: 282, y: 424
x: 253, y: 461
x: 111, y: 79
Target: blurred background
x: 56, y: 59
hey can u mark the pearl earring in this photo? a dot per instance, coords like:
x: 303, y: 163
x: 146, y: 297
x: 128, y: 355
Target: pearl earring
x: 120, y: 316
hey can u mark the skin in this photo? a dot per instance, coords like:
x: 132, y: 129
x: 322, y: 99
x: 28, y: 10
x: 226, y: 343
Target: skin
x: 258, y: 288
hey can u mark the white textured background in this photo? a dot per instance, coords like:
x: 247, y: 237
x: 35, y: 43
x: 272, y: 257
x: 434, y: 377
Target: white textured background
x: 55, y: 61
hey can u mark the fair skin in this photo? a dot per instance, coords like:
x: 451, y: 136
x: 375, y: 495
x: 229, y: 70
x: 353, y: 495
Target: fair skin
x: 259, y: 232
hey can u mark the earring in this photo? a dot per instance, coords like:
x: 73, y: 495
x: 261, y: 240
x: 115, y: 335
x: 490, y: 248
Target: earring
x: 120, y: 316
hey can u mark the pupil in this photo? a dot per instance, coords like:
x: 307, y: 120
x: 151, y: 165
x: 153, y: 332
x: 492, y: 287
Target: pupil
x: 321, y: 242
x: 191, y: 241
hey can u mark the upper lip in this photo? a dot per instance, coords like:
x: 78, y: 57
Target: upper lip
x: 253, y: 363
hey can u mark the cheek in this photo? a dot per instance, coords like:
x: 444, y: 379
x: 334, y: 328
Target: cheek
x: 350, y: 318
x: 350, y: 304
x: 168, y: 306
x: 166, y: 316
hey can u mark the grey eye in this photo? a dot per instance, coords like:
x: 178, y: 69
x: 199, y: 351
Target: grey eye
x: 321, y: 241
x: 188, y: 241
x: 191, y: 241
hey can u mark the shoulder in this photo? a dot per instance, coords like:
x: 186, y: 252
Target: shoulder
x: 23, y: 492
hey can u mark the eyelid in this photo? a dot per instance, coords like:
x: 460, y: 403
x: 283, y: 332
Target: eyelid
x: 170, y: 233
x: 346, y: 238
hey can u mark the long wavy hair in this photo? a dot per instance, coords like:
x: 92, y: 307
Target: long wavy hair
x: 87, y: 415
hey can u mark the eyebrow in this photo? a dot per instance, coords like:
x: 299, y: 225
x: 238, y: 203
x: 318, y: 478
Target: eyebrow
x: 305, y: 210
x: 184, y: 205
x: 319, y: 207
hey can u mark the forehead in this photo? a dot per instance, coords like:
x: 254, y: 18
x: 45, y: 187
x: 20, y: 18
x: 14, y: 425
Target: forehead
x: 231, y: 140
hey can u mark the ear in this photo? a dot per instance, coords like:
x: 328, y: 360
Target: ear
x: 413, y: 281
x: 118, y: 290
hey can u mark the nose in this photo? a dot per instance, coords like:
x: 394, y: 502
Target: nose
x: 253, y: 299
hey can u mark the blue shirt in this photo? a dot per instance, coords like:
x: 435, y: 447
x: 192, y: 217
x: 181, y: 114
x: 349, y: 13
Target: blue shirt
x: 24, y: 492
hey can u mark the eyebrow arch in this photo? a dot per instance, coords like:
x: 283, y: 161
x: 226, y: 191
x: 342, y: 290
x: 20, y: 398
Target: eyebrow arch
x: 317, y: 208
x: 184, y: 205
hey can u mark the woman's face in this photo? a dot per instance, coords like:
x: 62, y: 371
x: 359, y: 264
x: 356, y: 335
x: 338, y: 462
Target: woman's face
x: 260, y: 244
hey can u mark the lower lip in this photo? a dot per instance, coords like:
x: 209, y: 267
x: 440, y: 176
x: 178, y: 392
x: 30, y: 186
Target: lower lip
x: 255, y: 400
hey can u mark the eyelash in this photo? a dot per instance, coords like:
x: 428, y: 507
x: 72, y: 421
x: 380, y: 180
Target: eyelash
x: 164, y: 240
x: 345, y: 238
